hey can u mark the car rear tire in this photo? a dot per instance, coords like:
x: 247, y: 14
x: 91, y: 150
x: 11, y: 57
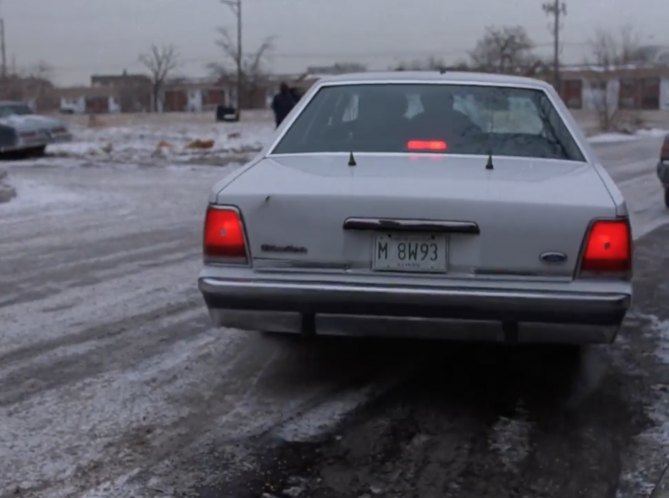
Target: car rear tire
x: 666, y: 196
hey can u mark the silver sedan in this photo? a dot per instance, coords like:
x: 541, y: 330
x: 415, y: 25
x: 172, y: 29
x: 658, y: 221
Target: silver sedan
x: 442, y: 205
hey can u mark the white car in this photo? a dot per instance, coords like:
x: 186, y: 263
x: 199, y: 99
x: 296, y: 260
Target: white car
x: 442, y: 205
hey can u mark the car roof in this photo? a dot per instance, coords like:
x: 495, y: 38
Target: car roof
x: 452, y: 77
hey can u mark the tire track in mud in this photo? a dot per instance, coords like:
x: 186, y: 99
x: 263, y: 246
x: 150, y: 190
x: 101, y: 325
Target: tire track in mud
x: 241, y: 404
x: 30, y: 371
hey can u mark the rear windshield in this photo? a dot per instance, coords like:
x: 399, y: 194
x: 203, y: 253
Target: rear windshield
x: 449, y: 119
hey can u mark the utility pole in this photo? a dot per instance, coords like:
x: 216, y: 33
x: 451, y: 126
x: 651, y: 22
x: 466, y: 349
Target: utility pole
x: 3, y: 52
x: 556, y: 8
x: 236, y: 7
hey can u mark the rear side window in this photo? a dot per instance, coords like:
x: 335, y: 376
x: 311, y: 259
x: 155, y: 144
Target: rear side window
x: 14, y: 110
x: 463, y: 119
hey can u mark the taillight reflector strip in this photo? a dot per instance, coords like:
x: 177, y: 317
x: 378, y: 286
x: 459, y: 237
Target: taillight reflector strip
x: 224, y: 234
x: 608, y: 247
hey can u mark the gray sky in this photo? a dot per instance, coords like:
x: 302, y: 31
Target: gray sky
x: 80, y: 37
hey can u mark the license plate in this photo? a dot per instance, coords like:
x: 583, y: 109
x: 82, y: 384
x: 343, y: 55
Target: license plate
x: 420, y: 253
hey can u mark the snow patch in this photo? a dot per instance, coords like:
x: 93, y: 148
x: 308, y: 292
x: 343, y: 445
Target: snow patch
x: 30, y: 193
x: 145, y: 142
x: 606, y: 138
x: 510, y: 439
x: 653, y: 132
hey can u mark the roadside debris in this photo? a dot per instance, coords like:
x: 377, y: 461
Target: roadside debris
x: 201, y: 144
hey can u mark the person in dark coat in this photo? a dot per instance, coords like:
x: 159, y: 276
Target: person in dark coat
x: 282, y: 104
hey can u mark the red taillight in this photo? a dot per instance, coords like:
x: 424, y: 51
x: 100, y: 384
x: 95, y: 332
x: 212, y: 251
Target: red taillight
x: 427, y: 145
x: 224, y: 235
x: 608, y: 247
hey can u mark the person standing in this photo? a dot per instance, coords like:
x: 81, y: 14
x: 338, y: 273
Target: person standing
x: 282, y: 104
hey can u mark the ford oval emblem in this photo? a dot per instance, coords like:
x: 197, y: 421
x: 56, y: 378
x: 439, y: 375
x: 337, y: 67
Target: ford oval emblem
x: 554, y: 258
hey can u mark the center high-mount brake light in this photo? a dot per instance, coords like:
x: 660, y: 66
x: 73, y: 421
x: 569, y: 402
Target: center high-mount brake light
x: 427, y: 145
x: 608, y: 248
x: 224, y: 236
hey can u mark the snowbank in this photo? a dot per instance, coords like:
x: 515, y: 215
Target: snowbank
x: 170, y: 142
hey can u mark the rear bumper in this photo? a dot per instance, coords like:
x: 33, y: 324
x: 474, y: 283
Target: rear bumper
x: 444, y: 312
x: 42, y: 140
x: 23, y: 146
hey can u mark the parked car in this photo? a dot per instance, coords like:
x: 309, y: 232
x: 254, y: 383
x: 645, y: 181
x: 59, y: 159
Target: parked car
x: 24, y: 132
x: 490, y: 221
x: 226, y: 113
x: 663, y: 169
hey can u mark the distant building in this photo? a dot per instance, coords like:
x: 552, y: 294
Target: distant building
x: 87, y: 100
x: 134, y: 90
x: 194, y: 95
x: 627, y: 88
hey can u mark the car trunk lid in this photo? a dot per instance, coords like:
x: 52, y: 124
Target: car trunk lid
x: 531, y: 214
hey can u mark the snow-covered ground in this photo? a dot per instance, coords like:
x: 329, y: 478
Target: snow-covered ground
x: 175, y: 142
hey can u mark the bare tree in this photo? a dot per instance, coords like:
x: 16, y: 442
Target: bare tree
x: 609, y: 52
x: 508, y: 49
x: 251, y: 67
x: 42, y: 71
x: 33, y: 85
x: 161, y: 62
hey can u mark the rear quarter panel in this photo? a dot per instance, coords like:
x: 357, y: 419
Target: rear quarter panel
x: 590, y: 154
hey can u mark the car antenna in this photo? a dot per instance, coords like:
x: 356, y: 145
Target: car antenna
x: 351, y: 160
x: 489, y: 164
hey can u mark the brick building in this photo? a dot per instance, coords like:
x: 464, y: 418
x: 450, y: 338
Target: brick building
x: 194, y: 96
x: 133, y: 90
x: 626, y: 88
